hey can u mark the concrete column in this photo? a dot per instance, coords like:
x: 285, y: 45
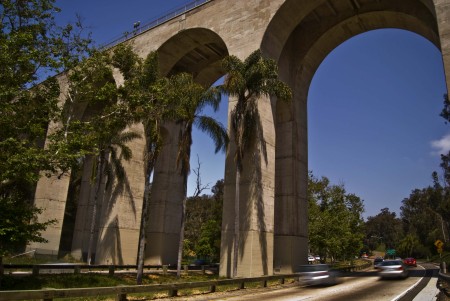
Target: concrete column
x: 256, y: 200
x: 443, y: 21
x: 291, y: 205
x: 51, y: 194
x: 83, y: 218
x: 164, y: 222
x: 120, y: 211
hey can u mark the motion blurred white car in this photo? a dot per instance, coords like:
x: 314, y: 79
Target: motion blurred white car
x: 316, y: 274
x: 392, y: 269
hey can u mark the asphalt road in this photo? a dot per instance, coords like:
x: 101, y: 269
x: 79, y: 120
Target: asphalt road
x: 357, y: 286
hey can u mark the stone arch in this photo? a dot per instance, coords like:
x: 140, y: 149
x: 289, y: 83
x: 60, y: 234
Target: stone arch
x: 197, y: 51
x: 299, y: 37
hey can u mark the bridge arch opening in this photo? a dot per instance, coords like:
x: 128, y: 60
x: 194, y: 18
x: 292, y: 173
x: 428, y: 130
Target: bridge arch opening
x: 197, y: 51
x: 300, y: 36
x: 384, y: 92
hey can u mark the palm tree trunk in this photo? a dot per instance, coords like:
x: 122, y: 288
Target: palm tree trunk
x: 152, y: 155
x: 181, y: 242
x: 236, y: 223
x: 98, y: 182
x: 142, y: 238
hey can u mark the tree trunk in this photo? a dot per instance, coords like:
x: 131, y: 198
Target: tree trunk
x: 236, y: 224
x: 142, y: 238
x: 181, y: 243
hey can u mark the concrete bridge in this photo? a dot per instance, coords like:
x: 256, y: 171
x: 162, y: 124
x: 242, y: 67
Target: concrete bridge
x: 298, y: 34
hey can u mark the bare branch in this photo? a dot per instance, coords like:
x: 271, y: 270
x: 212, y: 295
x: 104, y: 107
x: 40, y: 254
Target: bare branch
x: 198, y: 182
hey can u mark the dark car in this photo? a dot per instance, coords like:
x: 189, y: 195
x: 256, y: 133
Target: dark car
x: 377, y: 261
x: 392, y: 269
x: 316, y: 274
x: 200, y: 262
x: 410, y: 261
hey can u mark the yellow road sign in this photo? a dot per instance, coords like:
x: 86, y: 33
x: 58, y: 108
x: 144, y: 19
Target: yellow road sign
x: 438, y: 243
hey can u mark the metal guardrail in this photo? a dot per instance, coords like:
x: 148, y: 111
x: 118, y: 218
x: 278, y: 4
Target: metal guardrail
x: 121, y: 291
x: 152, y: 24
x: 444, y: 283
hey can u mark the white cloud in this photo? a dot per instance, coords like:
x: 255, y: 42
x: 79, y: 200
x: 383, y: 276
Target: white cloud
x: 441, y: 146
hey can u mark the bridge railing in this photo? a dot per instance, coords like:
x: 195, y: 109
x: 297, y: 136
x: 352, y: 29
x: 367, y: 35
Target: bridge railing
x: 154, y: 23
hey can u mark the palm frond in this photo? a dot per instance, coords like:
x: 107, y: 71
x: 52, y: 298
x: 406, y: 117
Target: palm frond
x: 216, y: 131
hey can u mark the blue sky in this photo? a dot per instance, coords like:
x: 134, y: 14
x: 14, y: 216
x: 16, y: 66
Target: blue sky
x: 373, y: 106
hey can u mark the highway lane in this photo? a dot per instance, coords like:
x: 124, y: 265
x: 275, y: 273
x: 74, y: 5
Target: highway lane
x: 359, y: 286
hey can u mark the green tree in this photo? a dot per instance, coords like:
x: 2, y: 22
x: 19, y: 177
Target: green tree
x: 336, y: 227
x: 32, y: 48
x: 385, y: 227
x: 420, y: 215
x: 204, y: 213
x: 247, y: 81
x: 408, y: 244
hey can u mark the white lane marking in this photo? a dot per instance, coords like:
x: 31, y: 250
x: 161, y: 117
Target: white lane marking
x: 410, y: 288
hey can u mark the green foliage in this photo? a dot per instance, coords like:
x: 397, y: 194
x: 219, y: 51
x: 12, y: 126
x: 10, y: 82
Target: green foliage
x: 61, y: 281
x: 408, y: 245
x: 32, y: 48
x: 424, y: 214
x: 204, y: 213
x: 18, y: 224
x: 188, y: 99
x: 384, y: 228
x: 336, y: 227
x: 248, y: 80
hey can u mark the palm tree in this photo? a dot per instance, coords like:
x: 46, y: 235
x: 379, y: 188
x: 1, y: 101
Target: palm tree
x: 143, y: 89
x: 247, y: 81
x: 191, y: 98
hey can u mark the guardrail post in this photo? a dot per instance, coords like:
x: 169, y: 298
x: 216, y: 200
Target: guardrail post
x: 35, y: 270
x: 48, y: 294
x: 264, y: 283
x: 203, y: 270
x: 212, y: 289
x: 241, y: 285
x: 164, y: 267
x: 282, y: 280
x: 443, y: 267
x: 111, y: 270
x: 121, y: 297
x: 186, y: 268
x: 173, y: 293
